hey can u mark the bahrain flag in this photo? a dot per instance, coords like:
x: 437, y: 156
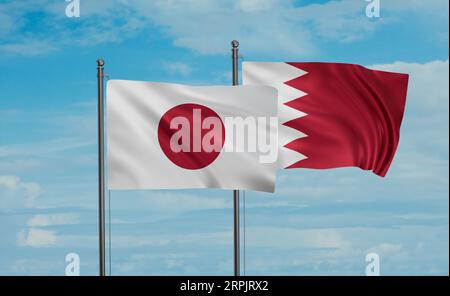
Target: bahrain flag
x: 334, y: 115
x: 172, y: 136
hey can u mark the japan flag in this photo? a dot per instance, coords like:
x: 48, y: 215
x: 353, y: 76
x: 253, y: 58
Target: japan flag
x: 171, y: 136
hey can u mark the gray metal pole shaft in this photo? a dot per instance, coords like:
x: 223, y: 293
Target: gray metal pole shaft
x: 237, y: 263
x: 101, y: 173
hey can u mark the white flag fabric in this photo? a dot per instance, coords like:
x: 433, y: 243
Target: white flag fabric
x: 276, y: 74
x: 171, y: 136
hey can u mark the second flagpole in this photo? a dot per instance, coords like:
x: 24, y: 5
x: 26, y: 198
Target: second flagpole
x: 101, y: 165
x: 237, y: 263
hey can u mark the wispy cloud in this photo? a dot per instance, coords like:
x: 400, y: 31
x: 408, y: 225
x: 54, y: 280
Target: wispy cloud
x: 42, y: 27
x: 17, y: 193
x: 178, y: 68
x: 28, y: 47
x: 267, y: 26
x: 34, y: 237
x: 41, y: 220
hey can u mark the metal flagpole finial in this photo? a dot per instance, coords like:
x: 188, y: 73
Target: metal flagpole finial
x: 100, y: 63
x: 235, y: 44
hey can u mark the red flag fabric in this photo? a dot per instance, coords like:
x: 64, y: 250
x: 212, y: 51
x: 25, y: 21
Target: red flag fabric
x: 352, y: 116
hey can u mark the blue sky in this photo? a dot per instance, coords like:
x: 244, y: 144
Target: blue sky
x: 318, y: 222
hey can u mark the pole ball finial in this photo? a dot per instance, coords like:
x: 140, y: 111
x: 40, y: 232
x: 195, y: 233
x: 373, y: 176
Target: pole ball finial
x: 235, y: 43
x: 100, y: 62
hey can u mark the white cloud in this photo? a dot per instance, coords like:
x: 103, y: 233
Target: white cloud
x: 386, y: 249
x: 28, y: 47
x: 268, y: 237
x: 101, y: 21
x: 177, y: 202
x: 33, y: 267
x: 53, y: 219
x: 289, y: 238
x: 342, y: 21
x: 14, y: 165
x: 17, y: 193
x: 45, y: 147
x: 10, y: 182
x: 180, y: 262
x: 271, y: 25
x: 208, y: 26
x: 178, y: 68
x: 257, y: 5
x: 6, y: 23
x: 36, y: 238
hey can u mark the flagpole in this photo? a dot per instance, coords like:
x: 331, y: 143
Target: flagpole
x: 101, y: 173
x: 237, y: 264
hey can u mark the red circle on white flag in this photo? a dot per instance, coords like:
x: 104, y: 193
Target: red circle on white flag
x: 191, y: 135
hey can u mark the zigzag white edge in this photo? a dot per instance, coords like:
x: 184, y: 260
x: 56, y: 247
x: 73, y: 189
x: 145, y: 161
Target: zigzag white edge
x: 275, y: 74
